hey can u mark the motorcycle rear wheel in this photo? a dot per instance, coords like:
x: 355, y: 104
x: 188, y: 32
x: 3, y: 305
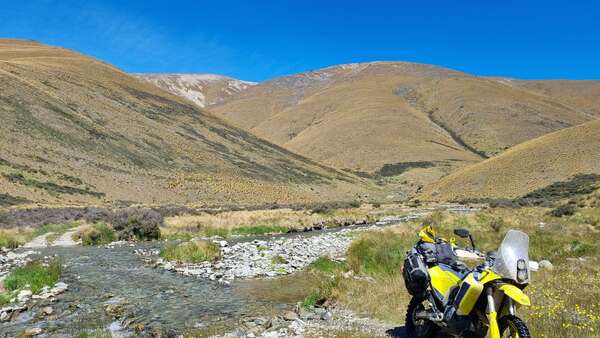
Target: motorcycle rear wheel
x: 418, y: 328
x: 516, y: 327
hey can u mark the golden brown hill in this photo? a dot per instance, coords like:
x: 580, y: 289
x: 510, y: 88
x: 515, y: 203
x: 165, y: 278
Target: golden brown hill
x: 581, y: 95
x: 526, y: 167
x: 366, y: 116
x: 77, y: 130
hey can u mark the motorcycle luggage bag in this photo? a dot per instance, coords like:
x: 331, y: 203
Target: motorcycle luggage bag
x: 416, y: 276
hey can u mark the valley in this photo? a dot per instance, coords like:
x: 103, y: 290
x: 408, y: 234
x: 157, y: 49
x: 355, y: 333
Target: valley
x: 168, y: 205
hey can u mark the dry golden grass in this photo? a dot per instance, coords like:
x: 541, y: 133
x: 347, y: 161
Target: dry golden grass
x: 363, y: 116
x: 76, y: 130
x: 527, y: 167
x: 277, y: 219
x: 582, y: 95
x: 12, y: 238
x: 565, y: 300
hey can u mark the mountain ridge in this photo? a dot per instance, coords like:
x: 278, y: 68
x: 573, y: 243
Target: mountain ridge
x: 77, y: 130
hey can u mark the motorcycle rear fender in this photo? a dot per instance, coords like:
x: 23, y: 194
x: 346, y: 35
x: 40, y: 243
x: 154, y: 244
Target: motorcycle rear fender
x: 516, y: 294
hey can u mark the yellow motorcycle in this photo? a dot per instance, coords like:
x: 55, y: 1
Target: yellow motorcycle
x: 450, y: 299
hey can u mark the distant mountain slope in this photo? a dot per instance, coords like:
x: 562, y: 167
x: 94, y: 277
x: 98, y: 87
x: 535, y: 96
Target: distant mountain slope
x: 529, y: 166
x: 202, y: 89
x: 77, y: 130
x: 581, y: 95
x: 366, y: 116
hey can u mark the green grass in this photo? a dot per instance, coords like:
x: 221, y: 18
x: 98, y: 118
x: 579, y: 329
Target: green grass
x: 177, y: 236
x: 312, y: 299
x: 226, y: 233
x: 34, y: 274
x: 212, y: 232
x: 5, y: 298
x: 259, y: 230
x: 378, y: 252
x: 96, y: 234
x: 327, y: 265
x: 278, y: 260
x: 191, y: 252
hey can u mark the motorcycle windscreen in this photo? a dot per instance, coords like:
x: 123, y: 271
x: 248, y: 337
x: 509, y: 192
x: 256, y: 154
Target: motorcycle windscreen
x: 513, y: 256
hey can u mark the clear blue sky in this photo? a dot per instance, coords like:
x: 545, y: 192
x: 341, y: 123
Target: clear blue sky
x: 258, y: 40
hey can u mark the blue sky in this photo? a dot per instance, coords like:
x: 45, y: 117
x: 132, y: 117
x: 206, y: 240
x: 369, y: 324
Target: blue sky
x: 258, y: 40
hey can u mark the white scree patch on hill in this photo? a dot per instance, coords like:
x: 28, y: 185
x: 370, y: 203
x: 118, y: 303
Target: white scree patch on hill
x: 202, y: 89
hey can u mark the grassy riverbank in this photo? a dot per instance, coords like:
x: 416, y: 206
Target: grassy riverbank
x: 33, y: 276
x: 566, y: 300
x: 262, y: 222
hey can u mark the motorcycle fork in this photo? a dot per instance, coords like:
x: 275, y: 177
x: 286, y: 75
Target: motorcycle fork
x: 491, y: 314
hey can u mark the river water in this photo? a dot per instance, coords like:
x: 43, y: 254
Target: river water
x: 160, y: 300
x: 155, y: 298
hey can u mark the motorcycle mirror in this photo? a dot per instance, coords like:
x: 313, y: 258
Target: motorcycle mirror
x: 463, y: 233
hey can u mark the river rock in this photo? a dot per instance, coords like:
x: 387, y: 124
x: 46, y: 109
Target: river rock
x: 24, y: 296
x: 59, y: 288
x: 290, y: 315
x: 545, y: 264
x: 47, y: 310
x: 32, y: 332
x: 326, y: 315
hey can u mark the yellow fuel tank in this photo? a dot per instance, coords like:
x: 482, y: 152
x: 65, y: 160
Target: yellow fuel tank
x: 443, y: 280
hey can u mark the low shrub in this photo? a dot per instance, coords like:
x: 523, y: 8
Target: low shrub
x: 564, y: 210
x: 137, y: 224
x: 191, y: 252
x: 96, y: 234
x: 35, y: 275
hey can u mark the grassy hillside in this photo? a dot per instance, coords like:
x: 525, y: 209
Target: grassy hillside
x: 535, y: 164
x: 77, y: 130
x: 581, y: 95
x: 365, y: 116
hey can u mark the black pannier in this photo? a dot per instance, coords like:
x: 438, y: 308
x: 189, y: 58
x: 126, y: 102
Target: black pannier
x: 416, y: 277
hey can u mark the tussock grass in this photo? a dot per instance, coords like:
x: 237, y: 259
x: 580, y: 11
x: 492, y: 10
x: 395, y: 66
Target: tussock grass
x: 260, y: 222
x: 5, y: 298
x: 566, y: 300
x: 95, y: 234
x: 378, y: 253
x: 13, y: 238
x: 33, y: 275
x: 327, y: 265
x: 191, y: 252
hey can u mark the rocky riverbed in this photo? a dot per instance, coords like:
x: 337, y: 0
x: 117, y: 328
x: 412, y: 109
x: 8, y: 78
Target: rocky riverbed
x: 263, y: 258
x: 270, y: 257
x: 124, y: 289
x: 10, y: 260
